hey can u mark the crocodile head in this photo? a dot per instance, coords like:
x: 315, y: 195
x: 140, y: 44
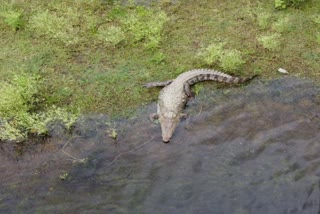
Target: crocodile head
x: 169, y: 122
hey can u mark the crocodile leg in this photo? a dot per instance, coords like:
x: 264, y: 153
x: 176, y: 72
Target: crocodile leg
x: 187, y: 90
x: 158, y: 84
x: 153, y: 116
x: 183, y: 116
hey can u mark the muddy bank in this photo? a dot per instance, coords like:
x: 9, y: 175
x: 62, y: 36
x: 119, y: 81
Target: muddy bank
x: 253, y: 149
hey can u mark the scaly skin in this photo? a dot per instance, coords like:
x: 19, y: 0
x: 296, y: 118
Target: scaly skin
x: 174, y: 95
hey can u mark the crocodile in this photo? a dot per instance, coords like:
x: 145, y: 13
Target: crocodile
x: 174, y: 96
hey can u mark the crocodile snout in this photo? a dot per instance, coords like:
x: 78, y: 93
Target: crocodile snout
x: 165, y: 140
x: 168, y: 126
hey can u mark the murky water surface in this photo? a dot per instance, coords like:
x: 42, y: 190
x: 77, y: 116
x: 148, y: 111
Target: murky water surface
x: 252, y: 149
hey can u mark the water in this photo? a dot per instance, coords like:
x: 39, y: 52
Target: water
x: 252, y: 149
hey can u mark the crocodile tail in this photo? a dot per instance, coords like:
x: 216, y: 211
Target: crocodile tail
x: 158, y: 84
x: 237, y: 80
x: 219, y: 78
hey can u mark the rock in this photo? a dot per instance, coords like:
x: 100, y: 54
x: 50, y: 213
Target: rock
x: 283, y: 71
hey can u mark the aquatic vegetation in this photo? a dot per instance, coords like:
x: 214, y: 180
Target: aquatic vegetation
x: 64, y: 175
x: 19, y: 127
x: 18, y: 95
x: 17, y: 119
x: 112, y: 134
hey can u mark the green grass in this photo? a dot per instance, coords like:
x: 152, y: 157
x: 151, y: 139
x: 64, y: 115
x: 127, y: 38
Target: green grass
x: 96, y: 55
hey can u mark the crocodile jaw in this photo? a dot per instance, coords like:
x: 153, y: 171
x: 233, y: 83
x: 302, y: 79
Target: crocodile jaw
x: 168, y: 125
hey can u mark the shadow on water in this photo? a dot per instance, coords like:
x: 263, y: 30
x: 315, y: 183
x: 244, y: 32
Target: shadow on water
x: 253, y: 149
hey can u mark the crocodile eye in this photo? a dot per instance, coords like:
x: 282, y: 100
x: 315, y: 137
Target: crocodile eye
x: 170, y: 115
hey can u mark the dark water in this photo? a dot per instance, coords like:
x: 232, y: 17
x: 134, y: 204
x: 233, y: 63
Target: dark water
x: 253, y: 149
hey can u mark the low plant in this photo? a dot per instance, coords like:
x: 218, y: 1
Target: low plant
x: 263, y: 19
x: 270, y: 42
x: 18, y: 94
x: 282, y: 4
x: 316, y: 18
x: 145, y: 25
x: 59, y: 114
x: 18, y: 99
x: 282, y: 25
x: 9, y: 131
x: 158, y: 58
x: 297, y: 3
x: 69, y: 22
x: 231, y: 60
x: 228, y: 59
x: 111, y: 35
x: 18, y: 128
x: 211, y: 54
x: 52, y: 25
x: 12, y: 17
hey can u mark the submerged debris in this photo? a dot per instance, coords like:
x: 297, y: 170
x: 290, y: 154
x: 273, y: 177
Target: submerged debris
x: 112, y: 134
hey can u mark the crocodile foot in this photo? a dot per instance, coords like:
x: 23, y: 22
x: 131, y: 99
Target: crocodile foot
x: 153, y: 116
x: 184, y: 116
